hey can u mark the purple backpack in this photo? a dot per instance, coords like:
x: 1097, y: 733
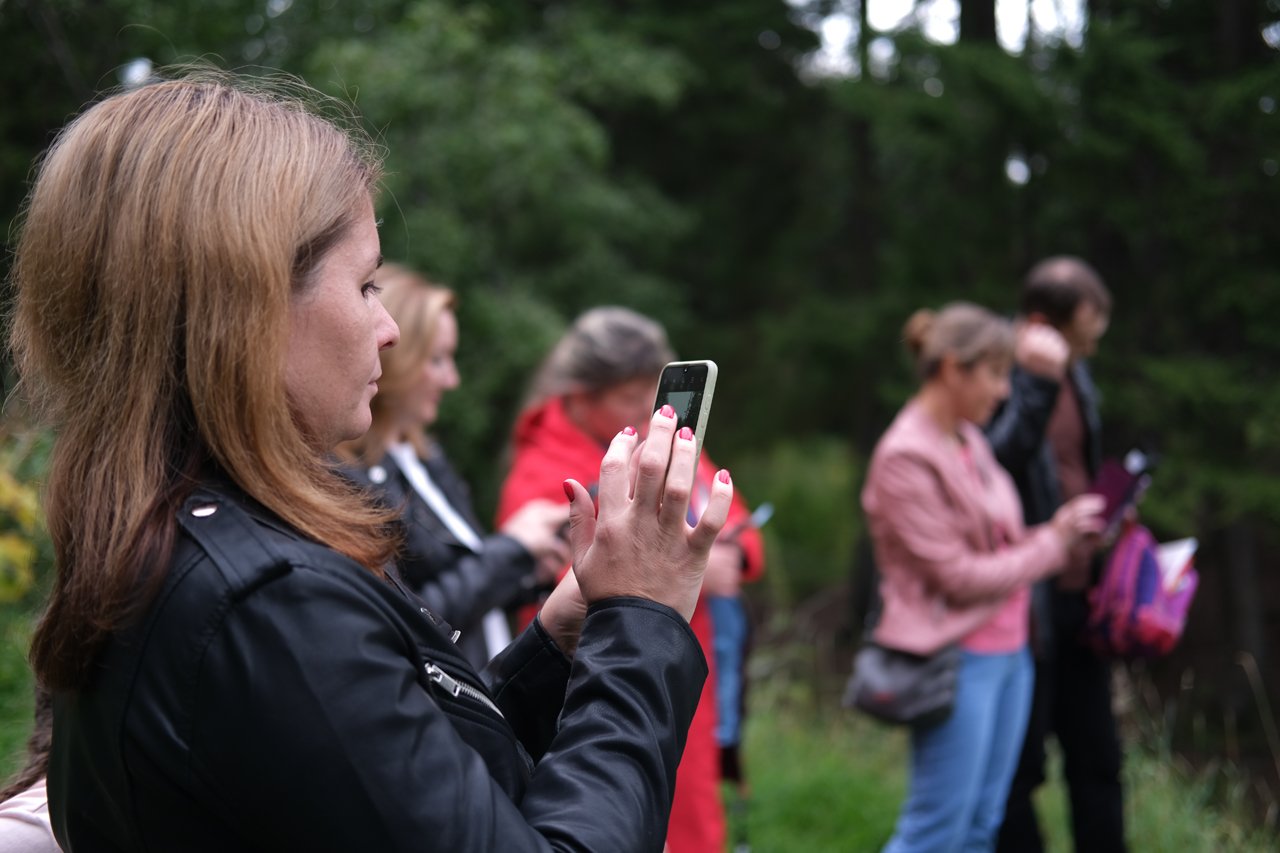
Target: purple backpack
x: 1137, y: 609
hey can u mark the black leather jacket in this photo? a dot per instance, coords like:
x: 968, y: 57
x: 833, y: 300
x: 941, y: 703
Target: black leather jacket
x: 1018, y: 435
x: 276, y: 696
x: 457, y: 583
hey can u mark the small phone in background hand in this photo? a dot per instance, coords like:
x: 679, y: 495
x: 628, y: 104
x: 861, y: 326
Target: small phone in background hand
x: 688, y: 387
x: 1121, y: 484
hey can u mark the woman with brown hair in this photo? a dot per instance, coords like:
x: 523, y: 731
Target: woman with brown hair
x: 232, y: 666
x: 463, y: 576
x: 956, y: 565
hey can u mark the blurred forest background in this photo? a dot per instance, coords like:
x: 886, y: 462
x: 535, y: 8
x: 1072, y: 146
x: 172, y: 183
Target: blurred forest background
x: 781, y: 183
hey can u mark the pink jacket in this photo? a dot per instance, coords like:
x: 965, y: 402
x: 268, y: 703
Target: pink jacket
x: 932, y: 527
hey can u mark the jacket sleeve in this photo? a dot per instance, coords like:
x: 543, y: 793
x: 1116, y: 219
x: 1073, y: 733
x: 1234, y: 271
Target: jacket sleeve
x: 459, y: 584
x: 528, y: 680
x: 1017, y: 430
x: 462, y: 585
x: 912, y: 510
x: 342, y: 745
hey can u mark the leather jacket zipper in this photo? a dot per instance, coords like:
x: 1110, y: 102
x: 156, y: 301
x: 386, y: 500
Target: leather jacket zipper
x: 456, y: 687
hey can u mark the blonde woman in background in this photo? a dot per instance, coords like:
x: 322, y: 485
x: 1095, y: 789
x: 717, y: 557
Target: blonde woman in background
x: 465, y: 576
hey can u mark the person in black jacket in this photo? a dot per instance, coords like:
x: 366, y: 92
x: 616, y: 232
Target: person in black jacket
x: 1048, y: 435
x: 231, y: 667
x: 464, y: 576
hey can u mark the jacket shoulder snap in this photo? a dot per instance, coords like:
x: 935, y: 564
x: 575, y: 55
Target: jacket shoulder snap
x: 245, y: 552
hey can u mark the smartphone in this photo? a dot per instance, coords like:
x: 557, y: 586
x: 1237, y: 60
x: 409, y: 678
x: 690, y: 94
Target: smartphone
x: 1121, y: 485
x: 687, y: 387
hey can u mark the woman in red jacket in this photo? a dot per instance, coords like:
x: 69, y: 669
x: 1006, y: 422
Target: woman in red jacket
x: 599, y: 378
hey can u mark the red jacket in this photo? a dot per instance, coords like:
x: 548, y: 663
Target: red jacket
x: 549, y: 448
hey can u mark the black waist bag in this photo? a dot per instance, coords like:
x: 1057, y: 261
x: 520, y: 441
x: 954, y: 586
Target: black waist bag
x: 903, y: 688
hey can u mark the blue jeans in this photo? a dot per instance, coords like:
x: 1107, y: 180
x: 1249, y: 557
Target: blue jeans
x: 961, y: 769
x: 729, y: 641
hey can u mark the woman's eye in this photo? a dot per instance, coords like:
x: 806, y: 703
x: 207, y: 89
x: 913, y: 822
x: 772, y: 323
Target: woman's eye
x: 369, y: 289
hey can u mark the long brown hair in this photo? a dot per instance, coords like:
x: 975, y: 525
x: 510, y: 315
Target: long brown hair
x: 416, y: 305
x: 167, y: 230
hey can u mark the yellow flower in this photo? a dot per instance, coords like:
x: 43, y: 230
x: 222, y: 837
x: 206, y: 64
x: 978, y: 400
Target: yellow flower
x: 16, y: 558
x: 19, y: 502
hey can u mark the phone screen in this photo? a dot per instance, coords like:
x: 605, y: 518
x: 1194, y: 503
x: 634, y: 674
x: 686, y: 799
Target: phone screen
x: 687, y: 387
x: 682, y: 402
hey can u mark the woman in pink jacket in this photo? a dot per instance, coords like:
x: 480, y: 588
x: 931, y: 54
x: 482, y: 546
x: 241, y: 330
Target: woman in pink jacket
x: 956, y: 563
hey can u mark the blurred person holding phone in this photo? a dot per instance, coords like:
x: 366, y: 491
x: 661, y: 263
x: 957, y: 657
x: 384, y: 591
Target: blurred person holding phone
x: 1048, y: 436
x: 602, y: 373
x: 232, y: 665
x: 464, y: 576
x: 956, y: 564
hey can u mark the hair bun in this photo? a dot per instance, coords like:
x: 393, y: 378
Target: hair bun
x: 916, y: 330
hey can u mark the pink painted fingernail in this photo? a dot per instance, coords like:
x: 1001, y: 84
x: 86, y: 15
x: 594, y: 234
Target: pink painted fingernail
x: 723, y: 476
x: 667, y: 412
x: 626, y: 430
x: 685, y: 433
x: 568, y: 491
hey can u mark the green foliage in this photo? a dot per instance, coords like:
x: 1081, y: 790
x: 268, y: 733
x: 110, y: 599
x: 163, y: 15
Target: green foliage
x: 498, y: 175
x: 17, y: 687
x: 811, y: 538
x: 829, y: 781
x: 500, y: 184
x: 822, y: 785
x: 26, y: 568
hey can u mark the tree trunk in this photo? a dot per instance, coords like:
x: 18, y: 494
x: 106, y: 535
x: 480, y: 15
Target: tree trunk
x: 978, y: 21
x: 1240, y: 41
x: 1245, y: 614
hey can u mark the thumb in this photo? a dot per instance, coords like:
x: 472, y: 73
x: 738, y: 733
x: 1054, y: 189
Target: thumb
x: 582, y: 519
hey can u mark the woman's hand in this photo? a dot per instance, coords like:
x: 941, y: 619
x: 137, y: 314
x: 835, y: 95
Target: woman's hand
x: 563, y: 613
x: 1042, y: 350
x: 538, y: 526
x: 640, y: 543
x: 1079, y: 519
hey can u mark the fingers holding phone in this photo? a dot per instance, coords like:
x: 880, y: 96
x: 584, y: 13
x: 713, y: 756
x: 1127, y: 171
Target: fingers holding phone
x: 1079, y: 518
x: 638, y: 540
x: 688, y: 387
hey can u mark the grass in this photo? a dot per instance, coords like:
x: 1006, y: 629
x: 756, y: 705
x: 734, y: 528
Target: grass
x: 827, y: 780
x: 16, y: 687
